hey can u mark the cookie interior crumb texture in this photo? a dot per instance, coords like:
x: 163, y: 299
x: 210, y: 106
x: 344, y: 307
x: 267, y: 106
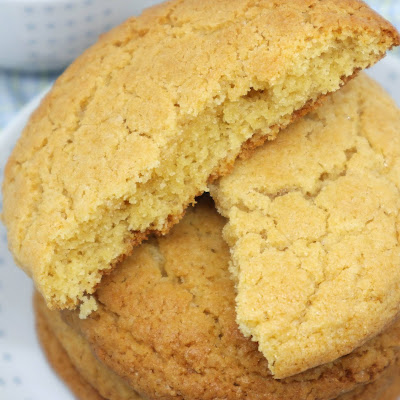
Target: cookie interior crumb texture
x: 135, y: 128
x: 314, y: 228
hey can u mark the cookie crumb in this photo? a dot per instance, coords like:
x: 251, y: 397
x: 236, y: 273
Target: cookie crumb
x: 87, y: 306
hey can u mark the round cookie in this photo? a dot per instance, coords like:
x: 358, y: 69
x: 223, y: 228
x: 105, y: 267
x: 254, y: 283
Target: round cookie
x: 166, y: 325
x: 58, y: 357
x: 313, y: 226
x: 49, y: 323
x: 71, y: 357
x: 134, y: 129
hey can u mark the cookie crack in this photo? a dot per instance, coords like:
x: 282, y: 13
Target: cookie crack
x: 323, y: 181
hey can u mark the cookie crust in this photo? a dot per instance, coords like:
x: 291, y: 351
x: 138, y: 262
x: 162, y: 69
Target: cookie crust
x: 386, y: 387
x: 71, y: 357
x: 58, y: 357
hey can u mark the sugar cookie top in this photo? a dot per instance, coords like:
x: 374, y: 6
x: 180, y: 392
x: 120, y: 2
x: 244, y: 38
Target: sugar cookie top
x: 134, y: 129
x: 166, y: 324
x: 314, y: 229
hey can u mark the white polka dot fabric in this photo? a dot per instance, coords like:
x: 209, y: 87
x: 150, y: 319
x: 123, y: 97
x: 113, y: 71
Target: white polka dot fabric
x: 45, y: 35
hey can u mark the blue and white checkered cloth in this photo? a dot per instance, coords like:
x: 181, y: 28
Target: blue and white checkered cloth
x: 16, y: 88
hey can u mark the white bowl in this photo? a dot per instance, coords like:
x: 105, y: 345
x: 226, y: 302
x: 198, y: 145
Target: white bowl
x: 37, y: 35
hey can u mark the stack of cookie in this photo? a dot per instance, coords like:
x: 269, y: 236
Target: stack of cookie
x: 292, y: 290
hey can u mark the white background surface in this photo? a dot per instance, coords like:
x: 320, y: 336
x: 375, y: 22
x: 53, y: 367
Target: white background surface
x: 24, y: 373
x: 43, y: 35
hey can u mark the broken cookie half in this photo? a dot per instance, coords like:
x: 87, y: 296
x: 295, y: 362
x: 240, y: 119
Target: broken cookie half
x: 314, y: 222
x: 139, y: 124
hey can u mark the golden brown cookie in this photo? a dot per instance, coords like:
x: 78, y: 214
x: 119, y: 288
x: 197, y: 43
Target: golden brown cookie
x: 166, y: 324
x: 71, y: 357
x: 393, y: 391
x: 386, y: 387
x: 135, y: 128
x: 314, y: 222
x: 58, y: 357
x: 54, y: 334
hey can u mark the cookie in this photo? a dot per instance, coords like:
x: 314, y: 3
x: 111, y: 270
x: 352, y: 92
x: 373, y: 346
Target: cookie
x: 385, y: 388
x: 58, y: 357
x: 393, y: 391
x: 314, y: 228
x: 135, y: 128
x: 70, y: 356
x: 166, y: 325
x: 54, y: 334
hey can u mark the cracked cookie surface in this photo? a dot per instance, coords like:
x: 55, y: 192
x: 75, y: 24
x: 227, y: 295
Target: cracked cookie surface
x: 71, y: 357
x: 166, y: 325
x: 134, y: 129
x: 314, y: 231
